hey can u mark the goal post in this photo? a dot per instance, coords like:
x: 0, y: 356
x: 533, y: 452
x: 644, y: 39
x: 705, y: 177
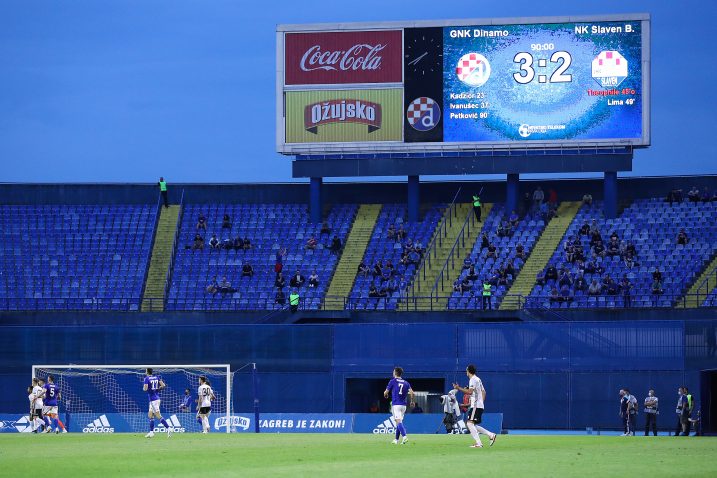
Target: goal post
x: 110, y: 398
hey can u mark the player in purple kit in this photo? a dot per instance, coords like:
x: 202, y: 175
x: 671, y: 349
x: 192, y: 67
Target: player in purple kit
x: 399, y: 389
x: 152, y: 385
x: 52, y: 394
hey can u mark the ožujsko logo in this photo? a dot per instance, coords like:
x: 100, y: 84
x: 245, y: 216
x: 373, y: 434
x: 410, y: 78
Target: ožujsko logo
x: 423, y: 114
x: 342, y: 111
x: 100, y: 425
x: 473, y: 69
x: 361, y: 56
x: 609, y: 69
x: 233, y: 422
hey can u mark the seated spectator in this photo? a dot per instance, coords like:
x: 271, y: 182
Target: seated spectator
x: 198, y: 244
x: 279, y: 282
x: 584, y: 229
x: 246, y: 244
x: 510, y: 268
x: 386, y: 275
x: 372, y: 291
x: 388, y: 267
x: 614, y: 236
x: 595, y: 238
x: 466, y: 285
x: 566, y: 294
x: 630, y: 262
x: 674, y: 196
x: 279, y: 259
x: 492, y: 251
x: 247, y: 270
x: 694, y: 194
x: 657, y: 275
x: 551, y: 273
x: 297, y: 280
x: 547, y: 212
x: 580, y: 283
x: 226, y: 222
x: 493, y: 278
x: 565, y: 279
x: 502, y: 277
x: 467, y: 263
x: 238, y: 244
x: 382, y: 292
x: 538, y: 197
x: 404, y: 258
x: 418, y: 247
x: 682, y: 238
x: 213, y: 286
x: 599, y: 249
x: 514, y: 219
x: 625, y: 287
x: 227, y: 244
x: 613, y: 248
x: 630, y: 249
x: 472, y: 274
x: 335, y: 246
x: 594, y: 288
x: 325, y: 229
x: 484, y: 243
x: 311, y: 243
x: 408, y: 246
x: 503, y: 229
x: 363, y: 269
x: 378, y: 269
x: 594, y: 228
x: 401, y: 233
x: 280, y: 297
x: 520, y: 252
x: 540, y: 277
x: 414, y: 257
x: 569, y: 252
x: 656, y: 287
x: 580, y: 266
x: 391, y: 232
x: 457, y: 286
x: 225, y: 287
x: 392, y: 285
x: 706, y: 197
x: 555, y: 296
x: 578, y: 253
x: 314, y: 279
x: 609, y: 285
x: 201, y: 222
x: 214, y: 242
x: 587, y: 199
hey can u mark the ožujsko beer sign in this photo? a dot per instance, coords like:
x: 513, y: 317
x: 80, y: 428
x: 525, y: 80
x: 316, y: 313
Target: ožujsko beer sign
x: 342, y: 111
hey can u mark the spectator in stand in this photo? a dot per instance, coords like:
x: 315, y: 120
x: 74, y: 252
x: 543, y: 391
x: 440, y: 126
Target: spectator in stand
x: 213, y: 286
x: 363, y: 269
x: 520, y: 252
x: 335, y: 246
x: 372, y: 291
x: 587, y: 200
x: 553, y: 199
x: 226, y: 222
x: 538, y: 197
x: 510, y: 268
x: 378, y: 269
x: 613, y: 247
x: 599, y: 249
x: 492, y: 251
x: 610, y: 286
x: 297, y: 280
x: 225, y: 287
x: 472, y: 274
x: 457, y: 285
x: 401, y: 233
x: 392, y: 285
x: 706, y: 197
x: 625, y: 288
x: 594, y: 288
x: 514, y: 219
x: 314, y: 279
x: 551, y: 273
x: 280, y: 297
x: 526, y: 204
x: 408, y: 246
x: 694, y: 194
x: 279, y: 259
x: 657, y: 275
x: 388, y: 267
x: 227, y: 244
x: 584, y: 229
x: 595, y: 237
x: 467, y: 263
x: 279, y: 282
x: 247, y: 270
x: 246, y: 244
x: 311, y: 243
x: 578, y: 252
x: 502, y: 277
x: 466, y: 285
x: 238, y: 243
x: 198, y: 244
x: 391, y: 232
x: 555, y: 296
x: 656, y: 287
x: 565, y: 279
x: 566, y: 294
x: 674, y: 196
x: 630, y: 262
x: 418, y: 247
x: 493, y: 278
x: 201, y: 222
x: 580, y: 266
x: 569, y: 251
x: 630, y: 249
x: 414, y: 257
x: 682, y: 238
x: 325, y: 229
x: 546, y: 212
x: 484, y: 242
x: 580, y: 283
x: 214, y: 242
x: 501, y: 229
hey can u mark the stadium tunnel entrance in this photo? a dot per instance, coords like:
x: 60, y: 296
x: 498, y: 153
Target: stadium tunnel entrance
x: 364, y: 395
x: 708, y: 401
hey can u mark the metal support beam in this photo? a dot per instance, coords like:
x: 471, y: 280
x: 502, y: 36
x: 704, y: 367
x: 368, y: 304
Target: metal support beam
x: 413, y: 198
x: 512, y: 192
x: 610, y: 194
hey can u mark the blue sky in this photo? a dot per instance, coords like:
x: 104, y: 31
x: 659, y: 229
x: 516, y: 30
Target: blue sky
x: 125, y: 91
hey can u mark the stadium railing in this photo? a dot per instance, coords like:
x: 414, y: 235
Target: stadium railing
x: 436, y: 242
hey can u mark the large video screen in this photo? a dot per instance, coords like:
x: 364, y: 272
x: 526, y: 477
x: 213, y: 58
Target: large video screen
x: 532, y: 83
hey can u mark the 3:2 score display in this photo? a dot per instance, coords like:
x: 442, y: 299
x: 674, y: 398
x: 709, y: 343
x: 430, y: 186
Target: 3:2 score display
x: 527, y: 69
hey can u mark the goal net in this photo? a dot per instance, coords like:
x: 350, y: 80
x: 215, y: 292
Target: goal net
x: 110, y: 398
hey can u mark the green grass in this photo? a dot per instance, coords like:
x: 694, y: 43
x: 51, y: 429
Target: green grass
x: 342, y: 455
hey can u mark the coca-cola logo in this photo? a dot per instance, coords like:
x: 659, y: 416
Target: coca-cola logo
x: 358, y: 57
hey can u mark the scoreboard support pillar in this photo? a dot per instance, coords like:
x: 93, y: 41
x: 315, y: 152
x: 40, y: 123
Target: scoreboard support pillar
x: 315, y: 202
x: 413, y: 198
x: 512, y: 191
x: 610, y: 194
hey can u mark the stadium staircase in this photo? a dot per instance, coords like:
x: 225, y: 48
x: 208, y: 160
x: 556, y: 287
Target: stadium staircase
x: 426, y: 282
x: 154, y: 286
x: 701, y: 289
x: 354, y: 250
x: 542, y: 252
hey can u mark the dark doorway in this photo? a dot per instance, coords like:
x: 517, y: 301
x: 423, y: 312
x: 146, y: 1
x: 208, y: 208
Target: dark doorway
x: 707, y: 401
x: 364, y: 393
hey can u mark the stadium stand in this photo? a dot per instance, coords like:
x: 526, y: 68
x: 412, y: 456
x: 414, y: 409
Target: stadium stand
x: 383, y: 248
x: 652, y: 225
x: 270, y: 228
x: 75, y: 257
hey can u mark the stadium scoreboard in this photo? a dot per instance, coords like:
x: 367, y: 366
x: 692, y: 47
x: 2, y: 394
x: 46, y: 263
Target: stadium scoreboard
x: 463, y: 84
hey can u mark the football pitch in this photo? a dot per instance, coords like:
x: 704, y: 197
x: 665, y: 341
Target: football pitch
x: 342, y: 455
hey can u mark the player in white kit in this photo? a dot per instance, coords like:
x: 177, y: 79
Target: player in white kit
x: 475, y: 412
x: 204, y: 402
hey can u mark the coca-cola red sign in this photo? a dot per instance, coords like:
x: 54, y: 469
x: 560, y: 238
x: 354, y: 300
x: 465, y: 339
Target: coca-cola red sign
x: 343, y: 57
